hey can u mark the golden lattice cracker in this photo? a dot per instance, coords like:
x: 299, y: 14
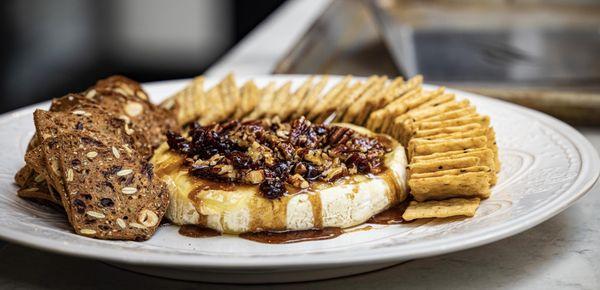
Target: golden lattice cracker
x: 313, y: 96
x: 321, y: 105
x: 468, y: 182
x: 438, y: 100
x: 458, y: 171
x: 400, y: 91
x: 334, y: 108
x: 419, y: 100
x: 328, y: 111
x: 382, y: 119
x: 289, y: 107
x: 267, y: 95
x: 249, y: 98
x: 484, y: 121
x: 468, y: 111
x: 426, y: 166
x: 484, y: 155
x: 441, y: 209
x: 420, y: 146
x: 378, y: 119
x: 349, y: 111
x: 420, y: 133
x: 280, y: 98
x: 230, y: 95
x: 402, y: 127
x: 369, y: 88
x: 217, y: 111
x: 458, y: 135
x: 188, y: 104
x: 491, y: 139
x: 359, y: 111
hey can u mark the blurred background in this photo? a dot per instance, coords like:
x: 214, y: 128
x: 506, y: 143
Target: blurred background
x: 50, y: 48
x: 544, y: 54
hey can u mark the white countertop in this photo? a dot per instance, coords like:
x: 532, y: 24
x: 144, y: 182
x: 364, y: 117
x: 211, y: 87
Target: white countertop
x: 561, y: 253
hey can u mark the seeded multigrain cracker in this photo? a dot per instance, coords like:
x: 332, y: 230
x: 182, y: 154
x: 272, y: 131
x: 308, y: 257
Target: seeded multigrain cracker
x: 96, y: 196
x: 125, y: 98
x: 93, y: 121
x: 468, y: 182
x: 441, y: 209
x: 36, y: 188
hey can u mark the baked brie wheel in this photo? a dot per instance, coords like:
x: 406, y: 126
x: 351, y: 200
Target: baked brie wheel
x: 333, y: 175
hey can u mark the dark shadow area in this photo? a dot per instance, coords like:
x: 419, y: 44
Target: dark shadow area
x: 51, y: 48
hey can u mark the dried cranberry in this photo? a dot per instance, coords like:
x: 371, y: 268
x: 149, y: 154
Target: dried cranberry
x: 240, y: 160
x: 107, y: 202
x: 177, y: 142
x: 282, y: 169
x: 360, y: 161
x: 148, y: 170
x: 312, y: 172
x: 272, y: 188
x: 79, y: 205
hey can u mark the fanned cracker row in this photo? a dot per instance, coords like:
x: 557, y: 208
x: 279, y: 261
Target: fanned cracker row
x: 451, y: 148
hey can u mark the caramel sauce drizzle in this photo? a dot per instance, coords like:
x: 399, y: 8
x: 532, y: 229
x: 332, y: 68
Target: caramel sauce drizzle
x: 293, y: 236
x: 194, y: 231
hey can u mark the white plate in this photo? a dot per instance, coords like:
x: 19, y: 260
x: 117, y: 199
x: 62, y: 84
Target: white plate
x: 546, y: 166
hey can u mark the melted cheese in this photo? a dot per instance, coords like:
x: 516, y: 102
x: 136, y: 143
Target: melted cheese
x: 344, y: 203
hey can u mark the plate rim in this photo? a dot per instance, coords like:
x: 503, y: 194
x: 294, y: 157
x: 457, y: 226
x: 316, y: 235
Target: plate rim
x: 589, y: 168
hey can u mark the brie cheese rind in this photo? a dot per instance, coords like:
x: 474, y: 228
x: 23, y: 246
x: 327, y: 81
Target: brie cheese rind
x: 235, y: 209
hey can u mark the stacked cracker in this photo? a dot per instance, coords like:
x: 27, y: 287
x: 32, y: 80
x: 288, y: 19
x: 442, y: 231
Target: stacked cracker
x: 89, y: 156
x: 453, y: 158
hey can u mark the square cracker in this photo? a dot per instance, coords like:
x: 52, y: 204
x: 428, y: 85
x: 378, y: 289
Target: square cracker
x: 466, y: 184
x: 366, y: 105
x: 289, y: 107
x: 267, y: 95
x: 441, y: 209
x: 354, y: 106
x: 443, y: 164
x: 189, y: 103
x: 313, y: 96
x: 249, y: 99
x: 321, y: 105
x: 484, y: 121
x: 420, y: 146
